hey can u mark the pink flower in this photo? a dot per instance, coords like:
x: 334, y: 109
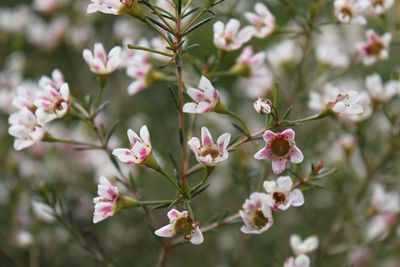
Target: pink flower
x: 26, y: 95
x: 349, y: 11
x: 229, y: 37
x: 99, y: 62
x: 106, y: 203
x: 378, y: 7
x: 208, y: 152
x: 25, y: 128
x: 140, y: 148
x: 256, y: 214
x: 106, y: 6
x: 282, y: 194
x: 52, y: 103
x: 180, y: 223
x: 140, y: 69
x: 56, y: 80
x: 299, y: 261
x: 280, y: 148
x: 263, y: 22
x: 206, y: 97
x: 375, y: 48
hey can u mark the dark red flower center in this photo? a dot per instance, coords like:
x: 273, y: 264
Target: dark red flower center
x: 280, y: 147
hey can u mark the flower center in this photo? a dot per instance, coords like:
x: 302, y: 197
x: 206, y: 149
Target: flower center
x: 279, y: 197
x: 374, y: 48
x: 347, y: 11
x: 259, y: 220
x: 184, y: 226
x: 377, y: 2
x: 213, y: 151
x: 280, y: 147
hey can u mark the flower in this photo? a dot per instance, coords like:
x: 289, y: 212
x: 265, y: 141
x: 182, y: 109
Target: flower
x: 56, y: 80
x: 206, y: 97
x: 52, y: 103
x: 180, y: 223
x: 248, y: 63
x: 384, y: 201
x: 229, y: 37
x: 140, y: 69
x: 263, y: 22
x: 280, y: 148
x: 25, y: 128
x: 284, y: 53
x: 256, y: 214
x: 346, y: 104
x: 26, y: 95
x: 208, y: 152
x: 378, y: 7
x: 262, y: 105
x: 114, y: 7
x: 299, y: 261
x: 329, y: 54
x: 375, y: 48
x: 349, y: 11
x: 99, y: 62
x: 339, y: 102
x: 379, y: 91
x: 305, y: 246
x: 282, y: 194
x: 106, y: 203
x: 140, y: 148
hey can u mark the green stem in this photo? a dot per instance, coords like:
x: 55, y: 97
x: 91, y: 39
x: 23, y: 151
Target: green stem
x: 321, y: 115
x: 235, y: 116
x: 138, y: 47
x: 153, y: 202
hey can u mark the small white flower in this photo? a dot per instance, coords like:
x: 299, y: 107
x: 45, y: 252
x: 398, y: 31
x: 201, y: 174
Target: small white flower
x: 287, y: 51
x: 206, y: 97
x: 375, y: 48
x: 26, y: 95
x: 256, y: 214
x: 52, y: 104
x: 180, y: 223
x: 384, y: 201
x: 282, y: 194
x: 208, y: 152
x: 305, y: 246
x: 113, y: 7
x: 331, y: 56
x: 263, y: 22
x: 299, y: 261
x: 378, y: 7
x: 350, y: 11
x: 25, y: 128
x: 106, y: 202
x: 99, y: 62
x: 262, y: 106
x: 229, y: 37
x: 379, y: 91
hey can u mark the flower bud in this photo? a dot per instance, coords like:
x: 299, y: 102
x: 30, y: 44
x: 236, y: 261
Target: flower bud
x: 262, y: 105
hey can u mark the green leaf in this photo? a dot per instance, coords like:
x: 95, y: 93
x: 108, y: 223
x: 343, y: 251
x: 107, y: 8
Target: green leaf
x: 198, y: 24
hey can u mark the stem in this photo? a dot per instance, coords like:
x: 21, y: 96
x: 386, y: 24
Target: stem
x: 153, y: 202
x: 228, y: 220
x: 235, y: 116
x: 169, y: 178
x: 138, y: 47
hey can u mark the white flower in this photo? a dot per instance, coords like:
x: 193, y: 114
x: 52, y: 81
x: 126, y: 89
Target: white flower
x: 101, y: 63
x: 379, y: 91
x: 378, y: 7
x: 106, y: 6
x: 256, y: 214
x: 25, y: 128
x: 305, y: 246
x: 106, y: 202
x: 140, y: 147
x: 349, y: 11
x: 206, y: 97
x: 26, y: 95
x: 208, y: 152
x: 333, y: 98
x: 263, y: 22
x: 229, y: 37
x: 299, y: 261
x: 47, y: 6
x: 262, y: 106
x: 384, y: 201
x: 139, y: 69
x: 56, y: 80
x: 180, y: 223
x: 52, y: 104
x: 285, y: 52
x: 282, y: 194
x: 43, y: 211
x: 330, y: 55
x: 248, y: 62
x: 375, y: 48
x: 379, y: 226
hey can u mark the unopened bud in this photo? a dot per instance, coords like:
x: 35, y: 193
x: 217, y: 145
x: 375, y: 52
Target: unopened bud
x: 262, y: 105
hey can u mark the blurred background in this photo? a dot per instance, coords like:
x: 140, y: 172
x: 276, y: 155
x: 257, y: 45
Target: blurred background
x: 37, y: 37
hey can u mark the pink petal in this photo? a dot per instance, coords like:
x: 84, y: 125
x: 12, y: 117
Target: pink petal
x: 206, y: 138
x: 278, y: 166
x: 296, y: 156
